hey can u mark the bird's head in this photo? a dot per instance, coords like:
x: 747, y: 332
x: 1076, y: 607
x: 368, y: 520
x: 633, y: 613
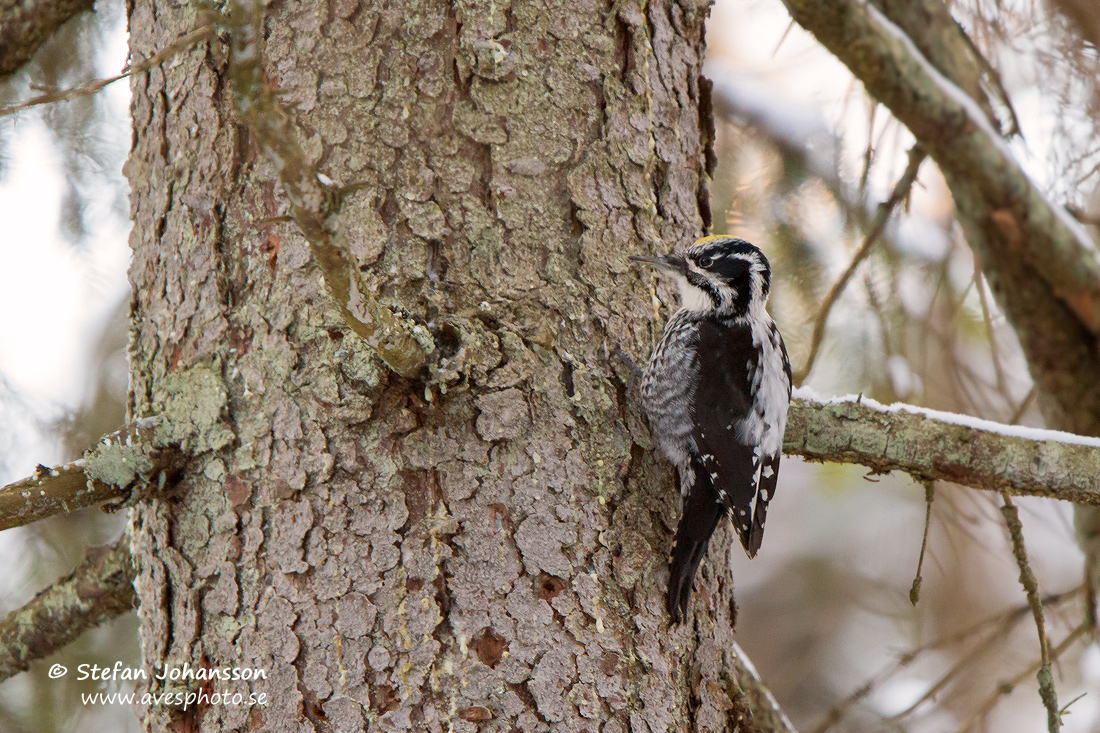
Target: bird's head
x: 717, y: 275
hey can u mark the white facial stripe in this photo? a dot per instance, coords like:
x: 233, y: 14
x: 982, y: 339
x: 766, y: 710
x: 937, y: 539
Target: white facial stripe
x: 695, y: 299
x: 691, y: 297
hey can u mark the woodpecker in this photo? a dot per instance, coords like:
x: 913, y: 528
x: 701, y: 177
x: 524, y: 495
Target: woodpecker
x: 716, y: 390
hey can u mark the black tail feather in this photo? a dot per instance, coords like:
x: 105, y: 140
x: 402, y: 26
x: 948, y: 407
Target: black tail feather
x: 702, y: 511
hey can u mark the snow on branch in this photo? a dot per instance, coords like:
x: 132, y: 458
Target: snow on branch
x: 932, y: 445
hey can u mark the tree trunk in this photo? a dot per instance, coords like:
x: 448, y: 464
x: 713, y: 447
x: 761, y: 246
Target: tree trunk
x: 482, y: 550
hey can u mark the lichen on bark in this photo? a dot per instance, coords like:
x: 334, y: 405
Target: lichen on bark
x: 489, y: 550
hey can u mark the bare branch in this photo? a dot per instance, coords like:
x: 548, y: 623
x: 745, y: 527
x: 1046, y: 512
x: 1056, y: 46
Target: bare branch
x: 108, y: 472
x: 51, y: 491
x: 878, y: 224
x: 26, y: 25
x: 1031, y: 588
x: 997, y: 626
x: 97, y: 591
x: 934, y: 446
x: 91, y: 87
x: 1006, y: 687
x: 929, y: 495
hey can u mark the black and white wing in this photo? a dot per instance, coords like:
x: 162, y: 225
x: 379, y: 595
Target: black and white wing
x: 775, y: 418
x: 728, y: 427
x: 722, y: 466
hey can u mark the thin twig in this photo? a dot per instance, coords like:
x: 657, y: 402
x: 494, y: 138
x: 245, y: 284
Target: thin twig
x: 888, y: 353
x: 1001, y: 622
x: 1005, y: 688
x: 961, y: 663
x: 88, y: 88
x: 929, y: 494
x: 1018, y: 414
x: 878, y: 224
x: 995, y: 353
x: 1031, y: 587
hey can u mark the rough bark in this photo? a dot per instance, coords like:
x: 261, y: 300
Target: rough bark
x: 489, y: 554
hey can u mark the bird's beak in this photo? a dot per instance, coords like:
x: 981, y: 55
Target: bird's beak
x: 671, y: 263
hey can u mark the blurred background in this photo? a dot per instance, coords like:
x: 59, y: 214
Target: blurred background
x: 804, y: 159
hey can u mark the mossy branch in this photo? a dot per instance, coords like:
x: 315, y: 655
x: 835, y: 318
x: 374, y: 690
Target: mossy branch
x: 933, y: 446
x: 108, y: 472
x: 100, y: 589
x: 926, y: 445
x: 402, y: 345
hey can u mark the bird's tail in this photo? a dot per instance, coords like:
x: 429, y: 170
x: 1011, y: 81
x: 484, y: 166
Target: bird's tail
x: 697, y: 523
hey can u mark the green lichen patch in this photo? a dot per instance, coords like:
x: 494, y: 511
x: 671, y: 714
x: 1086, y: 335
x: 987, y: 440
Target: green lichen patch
x: 192, y: 403
x: 120, y: 462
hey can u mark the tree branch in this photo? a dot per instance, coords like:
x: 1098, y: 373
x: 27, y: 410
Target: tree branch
x: 26, y: 25
x: 1031, y: 588
x: 98, y: 590
x: 51, y: 491
x: 995, y: 627
x: 91, y: 87
x: 930, y: 446
x: 1005, y: 214
x: 943, y: 42
x: 756, y: 702
x: 108, y: 472
x: 925, y: 444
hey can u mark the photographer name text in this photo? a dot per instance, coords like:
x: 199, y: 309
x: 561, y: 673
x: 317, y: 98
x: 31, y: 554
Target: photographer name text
x: 184, y: 672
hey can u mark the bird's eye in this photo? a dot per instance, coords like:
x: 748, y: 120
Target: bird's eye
x: 706, y: 261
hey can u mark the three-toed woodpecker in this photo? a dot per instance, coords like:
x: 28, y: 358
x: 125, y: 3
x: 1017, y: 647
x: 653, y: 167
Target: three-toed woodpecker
x: 716, y: 390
